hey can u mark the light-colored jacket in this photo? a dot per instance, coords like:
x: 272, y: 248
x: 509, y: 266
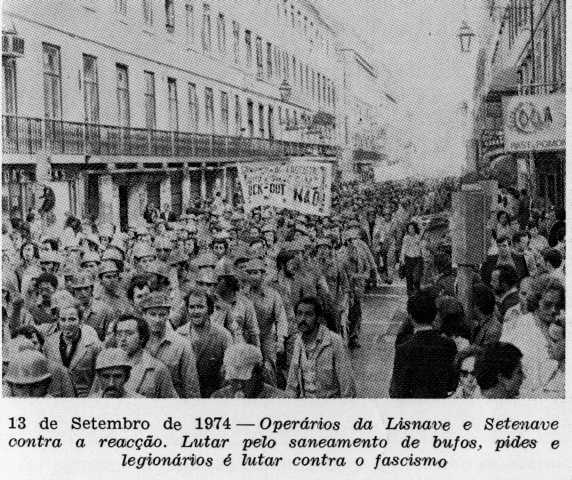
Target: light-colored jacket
x: 334, y: 374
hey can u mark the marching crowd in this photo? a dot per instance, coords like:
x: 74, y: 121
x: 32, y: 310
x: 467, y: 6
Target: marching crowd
x: 267, y: 304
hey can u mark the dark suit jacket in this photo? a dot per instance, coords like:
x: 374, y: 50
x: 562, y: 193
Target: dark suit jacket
x: 491, y: 262
x: 423, y: 367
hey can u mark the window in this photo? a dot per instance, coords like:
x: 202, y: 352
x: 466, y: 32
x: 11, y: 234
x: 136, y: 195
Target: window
x: 259, y: 64
x: 313, y: 84
x: 189, y: 24
x: 123, y: 108
x: 294, y: 69
x: 250, y: 118
x: 269, y: 60
x: 319, y: 88
x: 270, y: 122
x: 307, y: 77
x: 224, y: 112
x: 236, y: 41
x: 173, y: 104
x: 556, y: 46
x: 292, y: 16
x: 209, y: 110
x: 148, y: 12
x: 10, y: 102
x: 277, y: 63
x: 286, y: 65
x: 90, y: 89
x: 301, y: 76
x: 170, y: 15
x: 52, y: 82
x: 261, y: 120
x: 150, y: 104
x: 221, y: 34
x: 248, y: 42
x: 237, y: 116
x: 206, y: 29
x: 121, y: 7
x: 193, y: 107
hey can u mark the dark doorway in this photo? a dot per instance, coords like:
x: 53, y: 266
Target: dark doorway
x: 123, y: 207
x: 154, y: 194
x: 92, y: 197
x: 177, y: 194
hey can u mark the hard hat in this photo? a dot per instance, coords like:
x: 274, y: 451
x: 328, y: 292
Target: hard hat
x: 27, y: 367
x: 111, y: 254
x: 112, y: 358
x: 239, y: 361
x: 221, y: 236
x: 9, y: 281
x: 158, y: 268
x: 176, y: 257
x: 207, y: 259
x: 255, y: 265
x: 141, y: 230
x: 207, y: 276
x: 15, y: 346
x: 324, y: 242
x: 69, y: 269
x: 163, y: 242
x: 106, y: 230
x: 63, y: 299
x: 240, y: 253
x: 82, y: 279
x: 50, y: 257
x: 268, y: 228
x: 108, y: 266
x: 141, y: 250
x: 68, y: 239
x: 155, y: 300
x: 118, y: 243
x: 93, y: 238
x: 89, y: 257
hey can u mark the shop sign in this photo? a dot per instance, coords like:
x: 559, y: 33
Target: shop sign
x: 535, y: 123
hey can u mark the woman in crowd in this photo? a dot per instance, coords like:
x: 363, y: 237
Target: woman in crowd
x: 411, y: 258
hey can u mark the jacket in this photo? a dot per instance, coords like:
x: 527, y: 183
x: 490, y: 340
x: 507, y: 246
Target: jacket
x: 82, y: 365
x: 334, y: 374
x: 423, y: 367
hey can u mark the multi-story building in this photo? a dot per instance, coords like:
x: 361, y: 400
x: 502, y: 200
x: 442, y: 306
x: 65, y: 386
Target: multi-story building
x: 132, y: 102
x: 523, y: 56
x: 365, y: 109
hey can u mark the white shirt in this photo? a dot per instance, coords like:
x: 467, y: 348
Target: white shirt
x: 531, y: 341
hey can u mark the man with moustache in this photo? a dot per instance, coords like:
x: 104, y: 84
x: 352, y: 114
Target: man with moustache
x: 208, y: 339
x: 113, y: 369
x: 320, y: 366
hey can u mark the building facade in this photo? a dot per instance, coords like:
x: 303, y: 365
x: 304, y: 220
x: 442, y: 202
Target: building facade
x: 522, y: 61
x: 126, y: 103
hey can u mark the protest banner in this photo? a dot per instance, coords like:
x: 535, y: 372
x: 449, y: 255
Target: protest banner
x: 299, y: 185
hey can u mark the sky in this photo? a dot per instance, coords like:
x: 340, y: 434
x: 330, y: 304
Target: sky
x: 417, y: 41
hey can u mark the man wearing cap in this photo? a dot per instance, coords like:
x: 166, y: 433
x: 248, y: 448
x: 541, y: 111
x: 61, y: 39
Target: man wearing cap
x: 113, y: 370
x: 90, y: 261
x: 168, y: 347
x: 75, y: 346
x: 209, y: 341
x: 149, y: 377
x: 243, y: 367
x: 143, y: 254
x: 27, y: 375
x: 270, y: 315
x: 111, y: 294
x: 320, y: 366
x: 38, y: 300
x: 220, y: 249
x: 94, y: 313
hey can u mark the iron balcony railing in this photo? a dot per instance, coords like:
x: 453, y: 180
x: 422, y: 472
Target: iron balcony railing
x: 31, y: 135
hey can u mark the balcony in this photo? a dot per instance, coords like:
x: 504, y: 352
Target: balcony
x: 24, y: 135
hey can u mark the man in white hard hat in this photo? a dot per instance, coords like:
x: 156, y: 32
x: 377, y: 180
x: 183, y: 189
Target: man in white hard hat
x: 243, y: 366
x: 113, y: 369
x: 27, y: 375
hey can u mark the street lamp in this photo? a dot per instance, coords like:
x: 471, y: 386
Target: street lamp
x: 465, y: 36
x: 285, y: 90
